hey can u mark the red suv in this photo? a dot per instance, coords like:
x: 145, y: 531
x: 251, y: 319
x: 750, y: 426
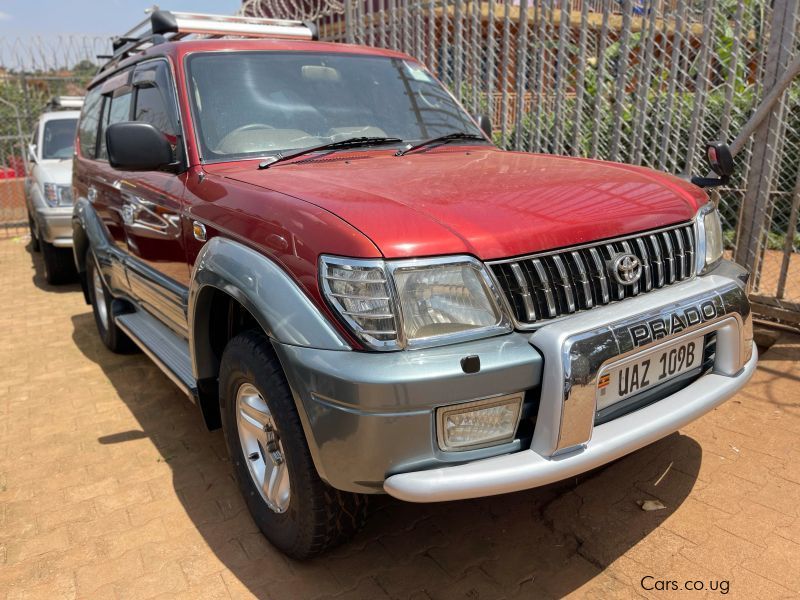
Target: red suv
x: 330, y: 257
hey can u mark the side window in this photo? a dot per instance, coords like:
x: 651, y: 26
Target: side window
x: 117, y: 110
x: 90, y: 121
x: 155, y: 100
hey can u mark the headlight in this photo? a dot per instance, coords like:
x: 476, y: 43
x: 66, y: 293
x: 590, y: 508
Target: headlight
x: 57, y: 195
x: 709, y: 227
x: 411, y: 303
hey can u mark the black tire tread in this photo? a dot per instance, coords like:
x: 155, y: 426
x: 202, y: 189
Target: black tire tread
x: 59, y: 264
x: 335, y: 515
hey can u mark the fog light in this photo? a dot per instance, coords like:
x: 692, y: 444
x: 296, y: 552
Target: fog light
x: 477, y: 424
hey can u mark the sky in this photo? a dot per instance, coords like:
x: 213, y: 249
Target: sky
x: 49, y: 18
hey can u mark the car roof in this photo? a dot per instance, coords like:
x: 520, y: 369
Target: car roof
x: 179, y: 49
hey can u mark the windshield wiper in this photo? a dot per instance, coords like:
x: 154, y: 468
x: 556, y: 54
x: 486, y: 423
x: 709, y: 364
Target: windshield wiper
x: 355, y: 142
x: 442, y: 139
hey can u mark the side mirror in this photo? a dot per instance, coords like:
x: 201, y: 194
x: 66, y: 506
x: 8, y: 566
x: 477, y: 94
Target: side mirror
x: 485, y: 123
x: 32, y: 153
x: 720, y: 160
x: 134, y: 146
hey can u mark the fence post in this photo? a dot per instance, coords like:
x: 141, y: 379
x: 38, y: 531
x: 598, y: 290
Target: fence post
x: 756, y: 209
x: 350, y: 38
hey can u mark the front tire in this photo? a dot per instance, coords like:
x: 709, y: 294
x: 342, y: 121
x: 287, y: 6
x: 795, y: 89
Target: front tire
x: 297, y: 512
x: 102, y: 307
x: 59, y: 266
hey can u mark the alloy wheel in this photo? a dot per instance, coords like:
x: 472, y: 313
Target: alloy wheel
x: 262, y: 448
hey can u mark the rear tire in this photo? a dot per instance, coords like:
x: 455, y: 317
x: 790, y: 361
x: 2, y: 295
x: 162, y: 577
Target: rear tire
x: 59, y: 266
x: 302, y: 515
x: 102, y: 307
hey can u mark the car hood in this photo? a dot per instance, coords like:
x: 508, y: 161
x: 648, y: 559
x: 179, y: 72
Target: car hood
x: 477, y: 200
x: 53, y: 171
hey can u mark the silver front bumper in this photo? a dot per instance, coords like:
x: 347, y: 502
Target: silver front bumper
x: 566, y: 440
x: 55, y: 226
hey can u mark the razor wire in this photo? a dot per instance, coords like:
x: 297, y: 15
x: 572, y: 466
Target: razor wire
x: 303, y: 10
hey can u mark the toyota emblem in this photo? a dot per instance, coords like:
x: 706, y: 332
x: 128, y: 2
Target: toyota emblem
x: 626, y: 268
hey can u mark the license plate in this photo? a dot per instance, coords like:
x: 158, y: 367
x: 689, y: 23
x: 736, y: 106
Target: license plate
x: 647, y: 369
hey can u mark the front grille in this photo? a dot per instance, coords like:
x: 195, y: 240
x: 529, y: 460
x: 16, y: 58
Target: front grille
x: 552, y: 284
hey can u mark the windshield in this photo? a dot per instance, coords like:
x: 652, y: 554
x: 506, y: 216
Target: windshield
x: 58, y: 138
x: 256, y: 103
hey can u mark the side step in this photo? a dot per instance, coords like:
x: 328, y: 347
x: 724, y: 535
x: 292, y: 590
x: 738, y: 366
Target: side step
x: 169, y: 351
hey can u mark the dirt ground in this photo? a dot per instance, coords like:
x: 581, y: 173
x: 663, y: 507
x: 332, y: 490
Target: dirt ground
x: 111, y: 488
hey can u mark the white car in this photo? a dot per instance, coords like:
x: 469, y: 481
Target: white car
x: 48, y: 188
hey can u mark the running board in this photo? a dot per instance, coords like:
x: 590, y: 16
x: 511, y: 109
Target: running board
x: 168, y: 350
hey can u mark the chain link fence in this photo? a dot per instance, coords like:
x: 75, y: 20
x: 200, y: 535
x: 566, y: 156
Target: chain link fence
x: 32, y: 72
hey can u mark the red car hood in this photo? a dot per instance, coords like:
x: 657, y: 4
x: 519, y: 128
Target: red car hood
x: 478, y: 200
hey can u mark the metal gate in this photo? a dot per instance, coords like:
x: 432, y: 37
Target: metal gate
x: 32, y: 71
x: 646, y: 82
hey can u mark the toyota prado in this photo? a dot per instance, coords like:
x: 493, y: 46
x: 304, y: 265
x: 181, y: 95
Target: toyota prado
x: 329, y: 256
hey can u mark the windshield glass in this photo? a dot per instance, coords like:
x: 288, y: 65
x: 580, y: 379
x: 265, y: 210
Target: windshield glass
x: 256, y: 103
x: 58, y: 138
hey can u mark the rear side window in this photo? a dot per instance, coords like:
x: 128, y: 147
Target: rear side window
x: 90, y: 120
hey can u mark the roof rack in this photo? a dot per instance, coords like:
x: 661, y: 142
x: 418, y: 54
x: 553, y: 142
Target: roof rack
x: 65, y: 102
x: 167, y: 26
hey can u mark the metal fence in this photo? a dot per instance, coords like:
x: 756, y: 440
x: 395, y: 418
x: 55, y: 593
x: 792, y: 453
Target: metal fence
x: 646, y: 82
x: 639, y: 81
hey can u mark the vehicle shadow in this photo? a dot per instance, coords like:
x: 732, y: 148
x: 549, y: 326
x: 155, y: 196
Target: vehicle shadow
x: 545, y: 542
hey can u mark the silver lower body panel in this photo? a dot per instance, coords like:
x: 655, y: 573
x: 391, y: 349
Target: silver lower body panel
x: 55, y: 226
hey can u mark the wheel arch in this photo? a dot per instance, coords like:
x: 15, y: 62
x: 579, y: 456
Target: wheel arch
x: 87, y: 233
x: 234, y: 288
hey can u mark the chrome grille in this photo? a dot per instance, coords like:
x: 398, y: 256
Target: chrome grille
x: 553, y: 284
